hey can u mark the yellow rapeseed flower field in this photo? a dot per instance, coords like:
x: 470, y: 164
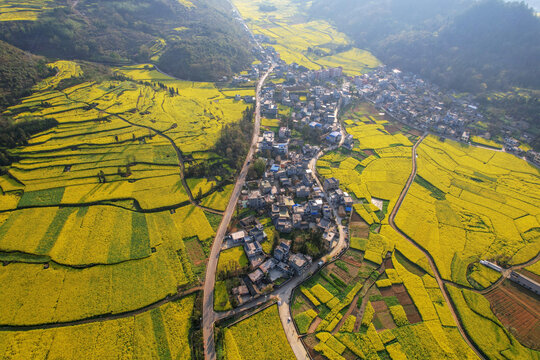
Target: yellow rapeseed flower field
x: 164, y: 330
x: 259, y: 337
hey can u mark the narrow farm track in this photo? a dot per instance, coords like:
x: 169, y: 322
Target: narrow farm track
x: 434, y: 268
x: 179, y: 154
x: 104, y: 317
x: 362, y: 293
x: 68, y: 266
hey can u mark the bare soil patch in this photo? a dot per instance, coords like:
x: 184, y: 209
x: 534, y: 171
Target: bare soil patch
x: 519, y: 311
x: 379, y: 306
x: 385, y: 320
x: 195, y: 251
x: 369, y: 152
x: 412, y: 313
x: 387, y: 291
x: 388, y: 264
x: 353, y: 258
x: 391, y: 128
x: 404, y: 298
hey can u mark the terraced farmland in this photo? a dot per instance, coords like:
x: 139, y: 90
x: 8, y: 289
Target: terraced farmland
x: 311, y: 43
x: 470, y: 203
x: 96, y: 220
x: 162, y: 331
x: 116, y: 128
x: 346, y: 315
x: 467, y: 203
x: 27, y: 10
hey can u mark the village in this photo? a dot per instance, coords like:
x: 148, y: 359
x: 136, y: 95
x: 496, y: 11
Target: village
x: 404, y: 96
x: 425, y: 106
x: 289, y: 195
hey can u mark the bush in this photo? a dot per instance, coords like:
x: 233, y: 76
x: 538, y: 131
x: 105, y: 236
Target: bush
x: 221, y: 298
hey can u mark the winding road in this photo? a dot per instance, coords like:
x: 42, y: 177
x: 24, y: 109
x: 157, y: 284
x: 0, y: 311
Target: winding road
x: 209, y: 315
x: 434, y: 268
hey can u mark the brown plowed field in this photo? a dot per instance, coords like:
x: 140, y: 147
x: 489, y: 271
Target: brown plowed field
x: 519, y: 311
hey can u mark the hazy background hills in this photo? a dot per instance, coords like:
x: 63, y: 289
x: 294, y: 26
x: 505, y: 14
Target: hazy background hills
x: 464, y: 45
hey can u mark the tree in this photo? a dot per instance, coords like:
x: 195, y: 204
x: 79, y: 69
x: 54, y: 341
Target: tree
x: 101, y: 177
x: 259, y: 166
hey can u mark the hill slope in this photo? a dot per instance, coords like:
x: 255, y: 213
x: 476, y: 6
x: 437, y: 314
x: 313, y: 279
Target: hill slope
x: 459, y: 44
x: 197, y: 35
x: 19, y: 71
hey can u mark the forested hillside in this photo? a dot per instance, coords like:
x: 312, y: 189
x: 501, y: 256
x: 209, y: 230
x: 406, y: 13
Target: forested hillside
x: 458, y: 44
x: 19, y: 71
x: 196, y: 41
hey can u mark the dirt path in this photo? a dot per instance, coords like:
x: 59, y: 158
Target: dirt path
x: 362, y: 293
x: 314, y: 325
x: 73, y: 5
x: 434, y: 268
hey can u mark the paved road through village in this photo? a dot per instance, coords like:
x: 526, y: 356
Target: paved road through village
x: 209, y: 316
